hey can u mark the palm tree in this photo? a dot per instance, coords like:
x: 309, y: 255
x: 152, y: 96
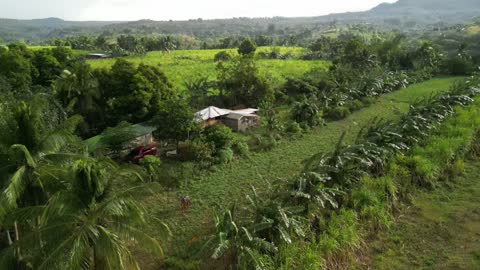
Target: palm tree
x: 237, y: 244
x: 78, y: 92
x: 275, y: 221
x: 30, y: 140
x: 89, y: 225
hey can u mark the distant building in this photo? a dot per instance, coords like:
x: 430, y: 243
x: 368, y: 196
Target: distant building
x: 238, y: 120
x: 98, y: 56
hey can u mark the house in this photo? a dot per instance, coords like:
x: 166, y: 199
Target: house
x: 238, y: 120
x: 98, y: 56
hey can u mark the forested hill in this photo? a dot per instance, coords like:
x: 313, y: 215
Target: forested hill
x: 444, y: 6
x: 404, y: 13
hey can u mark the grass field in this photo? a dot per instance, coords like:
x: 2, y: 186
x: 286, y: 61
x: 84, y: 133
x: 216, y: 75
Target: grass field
x: 186, y: 64
x: 212, y: 191
x: 440, y: 230
x: 473, y: 30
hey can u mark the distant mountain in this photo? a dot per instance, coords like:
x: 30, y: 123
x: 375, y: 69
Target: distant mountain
x: 429, y: 6
x: 400, y: 15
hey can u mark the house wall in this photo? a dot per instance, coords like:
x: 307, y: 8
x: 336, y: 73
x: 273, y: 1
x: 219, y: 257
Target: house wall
x: 246, y: 123
x: 232, y: 123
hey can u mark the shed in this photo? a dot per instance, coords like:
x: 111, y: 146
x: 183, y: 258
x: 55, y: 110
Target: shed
x: 125, y: 137
x: 241, y: 122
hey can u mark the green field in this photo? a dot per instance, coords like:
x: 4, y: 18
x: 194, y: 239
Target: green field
x: 473, y: 30
x: 230, y: 183
x: 182, y: 65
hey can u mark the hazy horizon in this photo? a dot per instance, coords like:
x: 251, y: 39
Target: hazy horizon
x: 125, y: 10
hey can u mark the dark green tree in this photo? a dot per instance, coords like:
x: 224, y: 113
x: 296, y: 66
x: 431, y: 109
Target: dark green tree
x: 247, y: 47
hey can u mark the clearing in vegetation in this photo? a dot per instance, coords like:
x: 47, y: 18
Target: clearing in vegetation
x: 210, y: 192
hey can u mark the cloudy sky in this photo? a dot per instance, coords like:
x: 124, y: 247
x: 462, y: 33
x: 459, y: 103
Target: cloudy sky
x: 175, y: 9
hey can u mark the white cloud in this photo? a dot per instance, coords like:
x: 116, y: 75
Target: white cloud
x: 176, y: 9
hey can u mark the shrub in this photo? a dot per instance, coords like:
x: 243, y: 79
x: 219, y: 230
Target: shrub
x: 219, y: 136
x: 459, y: 66
x: 194, y: 151
x: 337, y: 113
x: 307, y: 111
x: 222, y: 56
x: 264, y: 143
x: 247, y: 47
x: 293, y: 127
x: 224, y: 156
x: 240, y: 148
x: 151, y: 165
x: 355, y: 105
x: 367, y: 101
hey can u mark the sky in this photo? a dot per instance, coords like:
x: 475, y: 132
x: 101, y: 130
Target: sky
x: 106, y: 10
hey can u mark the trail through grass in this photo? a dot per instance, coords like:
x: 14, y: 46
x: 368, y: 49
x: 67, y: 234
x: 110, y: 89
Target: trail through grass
x: 440, y: 230
x: 230, y: 183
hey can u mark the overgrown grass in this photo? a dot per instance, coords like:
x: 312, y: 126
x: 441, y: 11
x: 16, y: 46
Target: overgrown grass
x: 438, y: 230
x: 229, y: 184
x: 179, y: 65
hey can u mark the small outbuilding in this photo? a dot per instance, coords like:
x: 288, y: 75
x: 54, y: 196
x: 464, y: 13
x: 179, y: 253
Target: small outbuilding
x: 241, y: 122
x: 124, y: 138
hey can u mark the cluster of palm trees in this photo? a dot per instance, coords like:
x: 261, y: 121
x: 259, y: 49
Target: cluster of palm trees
x: 61, y: 208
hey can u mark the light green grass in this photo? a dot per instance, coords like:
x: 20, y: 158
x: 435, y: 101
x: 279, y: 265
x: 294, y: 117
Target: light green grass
x: 473, y: 30
x: 186, y: 64
x: 231, y: 182
x: 439, y: 231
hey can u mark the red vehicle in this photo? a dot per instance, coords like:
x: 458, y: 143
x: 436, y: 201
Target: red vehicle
x: 141, y: 152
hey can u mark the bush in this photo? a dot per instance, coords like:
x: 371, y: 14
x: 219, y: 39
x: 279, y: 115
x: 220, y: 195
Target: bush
x: 293, y: 127
x: 219, y: 136
x: 459, y: 66
x: 240, y: 148
x: 151, y: 165
x: 337, y: 113
x: 367, y: 101
x: 264, y: 143
x: 247, y: 47
x: 222, y: 56
x: 224, y: 156
x: 194, y: 151
x: 355, y: 105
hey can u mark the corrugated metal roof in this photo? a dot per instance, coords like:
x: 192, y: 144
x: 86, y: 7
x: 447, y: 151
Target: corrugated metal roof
x: 237, y: 116
x: 210, y: 113
x: 247, y: 111
x: 133, y: 131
